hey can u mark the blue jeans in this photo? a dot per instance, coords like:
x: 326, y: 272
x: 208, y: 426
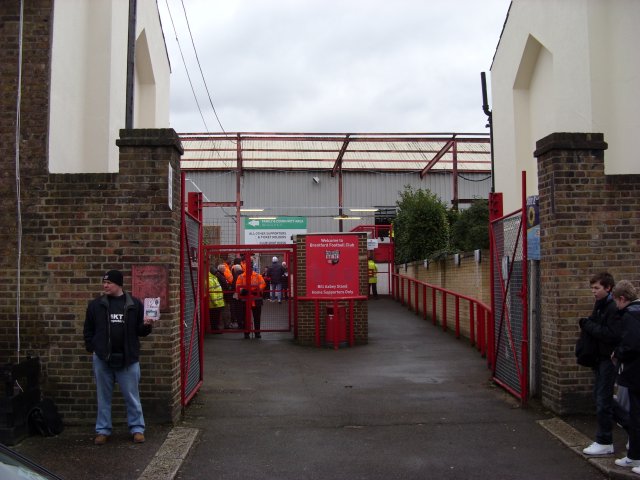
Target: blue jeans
x: 276, y: 291
x: 603, y: 392
x: 128, y: 378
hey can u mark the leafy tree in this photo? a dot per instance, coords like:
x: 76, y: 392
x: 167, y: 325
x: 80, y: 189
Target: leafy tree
x: 420, y: 227
x: 470, y: 230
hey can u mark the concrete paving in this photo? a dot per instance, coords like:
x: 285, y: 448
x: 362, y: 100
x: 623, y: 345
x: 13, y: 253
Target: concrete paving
x: 414, y: 403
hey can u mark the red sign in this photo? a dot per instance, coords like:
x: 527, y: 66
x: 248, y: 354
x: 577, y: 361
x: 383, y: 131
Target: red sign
x: 332, y: 265
x: 151, y: 281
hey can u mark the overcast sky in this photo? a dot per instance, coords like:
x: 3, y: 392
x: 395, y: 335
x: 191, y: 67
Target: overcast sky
x: 332, y: 65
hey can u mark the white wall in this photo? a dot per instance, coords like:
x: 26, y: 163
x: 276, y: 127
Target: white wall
x: 564, y: 66
x: 152, y: 73
x: 88, y: 81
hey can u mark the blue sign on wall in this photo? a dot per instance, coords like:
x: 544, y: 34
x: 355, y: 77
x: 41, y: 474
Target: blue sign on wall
x: 533, y: 227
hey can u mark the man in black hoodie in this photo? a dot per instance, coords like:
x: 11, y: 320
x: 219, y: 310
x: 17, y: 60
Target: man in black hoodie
x: 604, y: 325
x: 112, y: 325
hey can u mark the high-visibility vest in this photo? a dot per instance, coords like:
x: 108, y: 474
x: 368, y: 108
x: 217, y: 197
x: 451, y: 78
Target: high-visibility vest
x: 227, y: 273
x: 257, y: 286
x: 216, y: 299
x: 373, y: 272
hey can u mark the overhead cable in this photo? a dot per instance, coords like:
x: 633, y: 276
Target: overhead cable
x: 185, y: 66
x: 472, y: 180
x: 200, y: 68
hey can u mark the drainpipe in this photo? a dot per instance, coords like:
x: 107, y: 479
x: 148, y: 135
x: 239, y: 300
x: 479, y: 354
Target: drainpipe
x: 488, y: 113
x: 18, y: 183
x: 131, y: 55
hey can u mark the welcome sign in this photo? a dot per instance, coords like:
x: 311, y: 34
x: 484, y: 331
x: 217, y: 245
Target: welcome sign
x: 332, y: 265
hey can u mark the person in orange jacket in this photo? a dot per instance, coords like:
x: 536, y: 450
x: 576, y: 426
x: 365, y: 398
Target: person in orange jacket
x: 227, y: 273
x: 251, y: 290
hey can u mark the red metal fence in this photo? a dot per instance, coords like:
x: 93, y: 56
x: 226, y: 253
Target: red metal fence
x: 191, y: 354
x: 510, y: 292
x: 466, y: 314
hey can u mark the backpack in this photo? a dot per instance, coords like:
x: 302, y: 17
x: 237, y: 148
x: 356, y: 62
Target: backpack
x: 586, y: 350
x: 44, y: 419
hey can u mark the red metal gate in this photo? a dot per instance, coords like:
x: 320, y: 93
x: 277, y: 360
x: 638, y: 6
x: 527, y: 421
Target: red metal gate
x: 509, y: 300
x: 238, y: 314
x: 191, y: 354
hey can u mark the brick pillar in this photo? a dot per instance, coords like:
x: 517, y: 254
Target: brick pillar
x: 306, y: 309
x: 149, y: 234
x: 589, y: 223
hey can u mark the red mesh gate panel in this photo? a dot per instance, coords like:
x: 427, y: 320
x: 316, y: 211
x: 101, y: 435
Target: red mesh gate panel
x: 190, y: 326
x: 510, y: 290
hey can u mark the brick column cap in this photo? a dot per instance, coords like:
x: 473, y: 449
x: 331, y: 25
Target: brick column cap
x: 150, y: 137
x: 570, y: 141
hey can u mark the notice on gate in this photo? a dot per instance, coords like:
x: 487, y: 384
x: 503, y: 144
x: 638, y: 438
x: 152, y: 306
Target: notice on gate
x: 332, y: 265
x: 269, y: 231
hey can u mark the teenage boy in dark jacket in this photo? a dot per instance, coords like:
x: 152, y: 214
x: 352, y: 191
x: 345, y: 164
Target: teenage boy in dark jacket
x: 627, y: 357
x: 604, y: 325
x: 112, y: 325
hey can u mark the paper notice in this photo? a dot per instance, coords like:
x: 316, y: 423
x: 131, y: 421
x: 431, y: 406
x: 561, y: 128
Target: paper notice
x: 152, y: 308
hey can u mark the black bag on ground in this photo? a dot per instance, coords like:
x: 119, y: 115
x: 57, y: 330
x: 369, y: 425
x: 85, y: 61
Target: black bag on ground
x: 44, y: 419
x: 586, y: 350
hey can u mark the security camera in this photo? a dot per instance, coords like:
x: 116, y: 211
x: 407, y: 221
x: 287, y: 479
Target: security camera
x: 316, y: 180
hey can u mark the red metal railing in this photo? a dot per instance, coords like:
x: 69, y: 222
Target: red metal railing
x: 476, y: 317
x: 335, y: 303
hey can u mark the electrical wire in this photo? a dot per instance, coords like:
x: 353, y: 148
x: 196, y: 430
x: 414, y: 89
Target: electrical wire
x: 472, y: 180
x: 200, y: 67
x: 185, y: 67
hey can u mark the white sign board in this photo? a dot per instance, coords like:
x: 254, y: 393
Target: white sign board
x: 372, y: 243
x: 273, y: 231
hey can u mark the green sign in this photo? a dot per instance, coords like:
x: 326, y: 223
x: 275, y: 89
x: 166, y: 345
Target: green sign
x: 273, y: 231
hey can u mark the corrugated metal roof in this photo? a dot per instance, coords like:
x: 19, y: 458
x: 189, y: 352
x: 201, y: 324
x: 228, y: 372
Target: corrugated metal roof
x: 313, y: 151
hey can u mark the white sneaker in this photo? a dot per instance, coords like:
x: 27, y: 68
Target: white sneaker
x: 635, y: 469
x: 627, y: 462
x: 598, y: 449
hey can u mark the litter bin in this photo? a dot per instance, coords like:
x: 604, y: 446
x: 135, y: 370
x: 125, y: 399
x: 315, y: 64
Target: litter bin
x: 336, y: 328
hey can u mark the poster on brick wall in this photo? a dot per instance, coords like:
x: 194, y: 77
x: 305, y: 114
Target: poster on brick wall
x: 332, y: 265
x: 151, y: 281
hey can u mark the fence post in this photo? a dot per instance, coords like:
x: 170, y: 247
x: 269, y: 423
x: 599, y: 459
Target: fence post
x: 433, y: 305
x: 457, y: 316
x: 424, y: 302
x: 444, y: 311
x: 472, y: 323
x: 317, y: 322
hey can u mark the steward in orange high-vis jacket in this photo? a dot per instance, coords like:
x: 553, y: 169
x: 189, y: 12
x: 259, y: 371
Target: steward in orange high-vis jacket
x: 250, y: 290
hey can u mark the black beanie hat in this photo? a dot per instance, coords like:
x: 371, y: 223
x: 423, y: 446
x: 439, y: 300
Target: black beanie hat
x: 114, y: 276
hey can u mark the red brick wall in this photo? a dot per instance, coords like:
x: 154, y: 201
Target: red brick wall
x: 589, y: 222
x: 75, y: 227
x: 306, y: 309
